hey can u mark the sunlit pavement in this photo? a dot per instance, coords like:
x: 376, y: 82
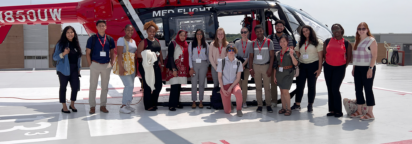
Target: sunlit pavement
x: 30, y: 113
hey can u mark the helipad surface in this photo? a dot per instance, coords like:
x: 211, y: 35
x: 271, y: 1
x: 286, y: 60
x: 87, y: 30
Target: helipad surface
x: 30, y: 113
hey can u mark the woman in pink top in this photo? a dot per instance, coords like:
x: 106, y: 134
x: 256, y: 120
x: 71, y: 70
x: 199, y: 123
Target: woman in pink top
x: 217, y: 52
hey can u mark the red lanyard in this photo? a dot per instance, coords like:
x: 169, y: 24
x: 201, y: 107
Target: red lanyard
x: 281, y: 55
x: 260, y: 47
x: 244, y: 48
x: 103, y: 43
x: 220, y: 50
x: 306, y: 45
x: 198, y: 50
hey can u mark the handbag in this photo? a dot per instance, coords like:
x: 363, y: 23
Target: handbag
x: 296, y: 71
x: 128, y: 61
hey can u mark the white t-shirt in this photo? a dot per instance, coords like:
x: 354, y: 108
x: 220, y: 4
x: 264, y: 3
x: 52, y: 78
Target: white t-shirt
x: 132, y: 45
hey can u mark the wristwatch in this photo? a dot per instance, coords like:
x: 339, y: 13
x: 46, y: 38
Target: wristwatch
x: 370, y: 67
x: 174, y: 69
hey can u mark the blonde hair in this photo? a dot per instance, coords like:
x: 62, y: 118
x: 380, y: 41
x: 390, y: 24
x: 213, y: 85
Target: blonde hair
x: 150, y: 24
x: 216, y: 41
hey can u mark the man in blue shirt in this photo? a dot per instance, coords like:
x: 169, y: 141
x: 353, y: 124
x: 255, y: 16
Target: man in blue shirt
x: 100, y: 56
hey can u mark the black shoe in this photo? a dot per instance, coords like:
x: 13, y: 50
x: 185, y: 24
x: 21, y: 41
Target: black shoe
x: 180, y: 106
x: 295, y: 107
x: 310, y: 108
x: 269, y: 109
x: 330, y: 114
x: 65, y: 111
x: 259, y: 110
x: 74, y: 110
x: 172, y: 109
x: 338, y: 114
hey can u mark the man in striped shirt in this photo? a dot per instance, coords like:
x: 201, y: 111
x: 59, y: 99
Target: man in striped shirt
x: 280, y: 27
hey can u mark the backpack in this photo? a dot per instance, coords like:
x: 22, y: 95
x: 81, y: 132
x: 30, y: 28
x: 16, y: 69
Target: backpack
x: 216, y: 99
x: 94, y: 37
x: 223, y: 66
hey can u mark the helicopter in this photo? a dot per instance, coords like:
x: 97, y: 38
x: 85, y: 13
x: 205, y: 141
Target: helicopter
x: 170, y: 16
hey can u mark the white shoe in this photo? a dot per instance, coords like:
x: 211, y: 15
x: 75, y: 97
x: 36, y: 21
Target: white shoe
x: 130, y: 108
x: 125, y: 110
x: 244, y: 105
x: 274, y: 104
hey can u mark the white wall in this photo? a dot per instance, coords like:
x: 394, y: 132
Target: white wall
x: 36, y: 43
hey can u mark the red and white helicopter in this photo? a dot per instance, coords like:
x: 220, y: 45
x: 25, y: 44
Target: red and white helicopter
x: 169, y: 15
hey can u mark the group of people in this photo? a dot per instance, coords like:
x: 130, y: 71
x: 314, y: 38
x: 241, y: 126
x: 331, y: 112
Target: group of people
x: 272, y: 61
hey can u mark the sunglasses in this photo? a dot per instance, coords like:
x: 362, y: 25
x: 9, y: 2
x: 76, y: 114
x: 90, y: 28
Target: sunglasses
x: 243, y: 32
x: 231, y: 50
x: 361, y: 29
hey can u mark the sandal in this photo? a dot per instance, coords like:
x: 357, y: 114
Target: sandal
x: 152, y: 109
x: 367, y: 117
x: 288, y: 113
x: 356, y: 114
x: 282, y: 111
x: 172, y: 109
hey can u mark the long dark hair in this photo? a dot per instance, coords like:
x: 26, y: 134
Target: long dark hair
x: 203, y: 41
x: 313, y: 39
x: 63, y: 40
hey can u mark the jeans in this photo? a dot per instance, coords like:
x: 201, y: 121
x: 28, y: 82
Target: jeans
x: 128, y: 82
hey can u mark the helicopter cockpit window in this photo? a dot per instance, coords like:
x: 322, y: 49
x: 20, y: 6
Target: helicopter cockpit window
x: 160, y: 34
x: 321, y: 32
x: 191, y: 24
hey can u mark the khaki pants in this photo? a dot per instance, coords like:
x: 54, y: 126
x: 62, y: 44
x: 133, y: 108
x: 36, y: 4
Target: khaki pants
x: 104, y: 70
x: 260, y: 72
x: 274, y: 90
x: 243, y: 84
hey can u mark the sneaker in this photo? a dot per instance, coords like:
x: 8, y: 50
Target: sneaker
x: 244, y: 105
x: 274, y: 104
x: 310, y: 108
x: 295, y: 107
x: 259, y: 110
x: 269, y: 109
x: 130, y: 108
x: 125, y: 110
x: 239, y: 113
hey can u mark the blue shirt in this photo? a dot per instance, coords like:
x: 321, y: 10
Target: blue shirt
x: 95, y: 56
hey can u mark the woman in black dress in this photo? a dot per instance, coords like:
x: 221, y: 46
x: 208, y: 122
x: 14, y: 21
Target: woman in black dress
x: 150, y: 96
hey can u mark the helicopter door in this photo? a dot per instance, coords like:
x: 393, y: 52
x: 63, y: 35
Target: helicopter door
x: 291, y: 23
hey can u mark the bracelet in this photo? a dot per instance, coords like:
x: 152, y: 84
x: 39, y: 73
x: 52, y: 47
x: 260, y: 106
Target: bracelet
x: 250, y: 69
x: 61, y: 55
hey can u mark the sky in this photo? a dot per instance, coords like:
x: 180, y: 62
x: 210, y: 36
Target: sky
x: 382, y: 16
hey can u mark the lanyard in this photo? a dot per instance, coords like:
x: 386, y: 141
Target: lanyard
x: 183, y: 52
x: 244, y: 48
x: 306, y: 45
x: 220, y: 50
x: 260, y: 47
x: 103, y: 43
x: 281, y: 55
x: 198, y: 50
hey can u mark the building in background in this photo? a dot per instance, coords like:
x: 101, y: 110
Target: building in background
x: 32, y: 46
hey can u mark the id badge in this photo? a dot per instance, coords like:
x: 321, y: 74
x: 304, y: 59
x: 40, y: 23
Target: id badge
x: 280, y: 69
x: 259, y: 57
x: 103, y: 54
x: 219, y: 60
x: 305, y: 56
x: 234, y: 66
x: 198, y: 60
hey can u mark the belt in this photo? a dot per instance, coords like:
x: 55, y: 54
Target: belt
x: 98, y: 62
x: 287, y: 67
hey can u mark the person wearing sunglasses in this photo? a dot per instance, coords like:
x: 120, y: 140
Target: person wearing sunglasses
x: 229, y: 71
x: 364, y: 59
x: 199, y: 64
x: 338, y: 54
x: 246, y: 48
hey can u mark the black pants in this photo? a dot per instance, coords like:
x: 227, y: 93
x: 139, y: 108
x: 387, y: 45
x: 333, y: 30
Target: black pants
x: 74, y: 80
x: 174, y: 95
x: 334, y: 76
x: 362, y: 82
x: 307, y: 71
x: 150, y: 99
